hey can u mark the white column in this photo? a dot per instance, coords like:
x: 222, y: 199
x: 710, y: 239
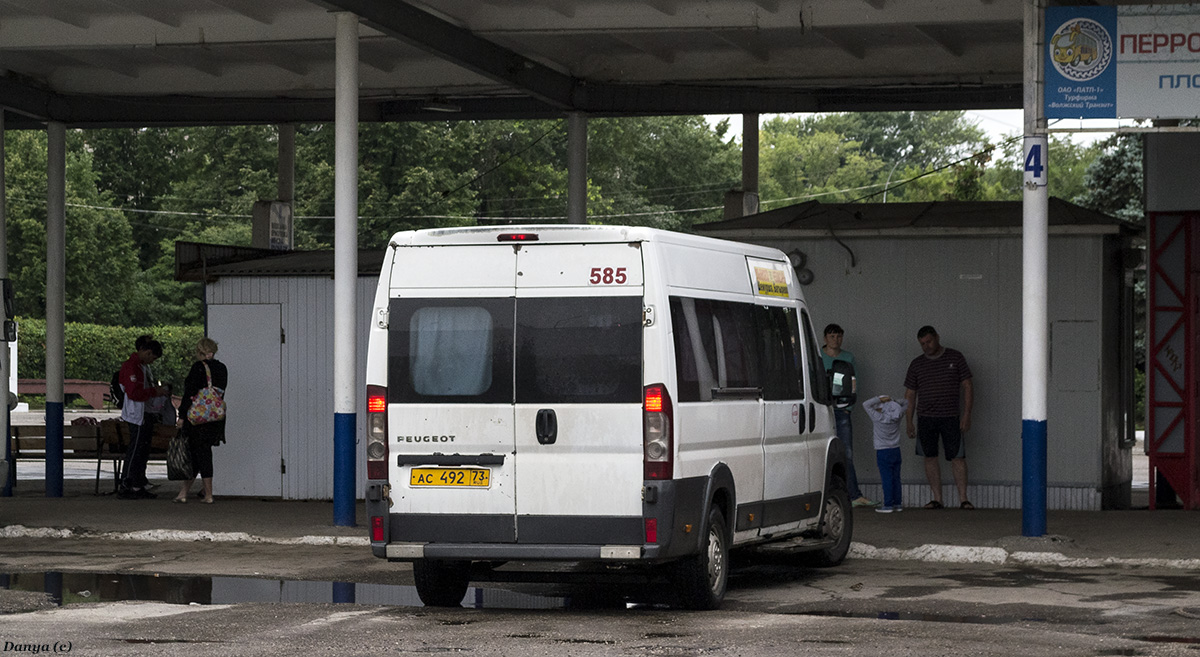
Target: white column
x: 56, y: 275
x: 576, y: 168
x: 6, y: 363
x: 1035, y: 343
x: 56, y: 260
x: 345, y: 268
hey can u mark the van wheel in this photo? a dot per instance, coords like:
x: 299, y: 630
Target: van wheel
x: 837, y: 525
x: 701, y: 579
x: 441, y: 583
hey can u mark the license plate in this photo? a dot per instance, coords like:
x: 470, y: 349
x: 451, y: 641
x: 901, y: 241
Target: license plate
x: 465, y: 477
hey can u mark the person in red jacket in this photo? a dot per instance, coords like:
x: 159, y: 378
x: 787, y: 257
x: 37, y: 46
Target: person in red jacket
x: 139, y: 388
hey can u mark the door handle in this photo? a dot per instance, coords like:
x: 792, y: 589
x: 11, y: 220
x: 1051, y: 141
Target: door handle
x: 800, y: 420
x: 812, y: 417
x: 546, y: 426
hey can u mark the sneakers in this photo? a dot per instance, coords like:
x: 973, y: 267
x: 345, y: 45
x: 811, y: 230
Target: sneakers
x: 135, y: 494
x: 884, y: 509
x: 863, y: 501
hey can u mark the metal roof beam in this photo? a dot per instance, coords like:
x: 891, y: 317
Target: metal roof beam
x: 463, y: 48
x: 25, y: 99
x: 599, y: 100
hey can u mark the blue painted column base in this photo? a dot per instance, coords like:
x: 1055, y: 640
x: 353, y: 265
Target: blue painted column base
x: 12, y: 467
x: 344, y: 428
x: 1033, y: 478
x: 343, y: 592
x: 54, y: 449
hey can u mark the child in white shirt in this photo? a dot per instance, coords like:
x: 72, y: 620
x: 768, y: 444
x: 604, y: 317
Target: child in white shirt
x: 886, y: 414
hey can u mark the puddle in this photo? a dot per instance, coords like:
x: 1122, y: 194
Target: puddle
x: 71, y: 588
x: 929, y: 618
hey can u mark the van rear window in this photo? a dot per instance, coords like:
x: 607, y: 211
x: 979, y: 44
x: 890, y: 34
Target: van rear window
x: 450, y: 350
x: 585, y: 350
x: 557, y: 350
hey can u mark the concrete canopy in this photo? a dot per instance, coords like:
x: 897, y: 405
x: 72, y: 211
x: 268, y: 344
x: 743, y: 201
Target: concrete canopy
x: 94, y: 63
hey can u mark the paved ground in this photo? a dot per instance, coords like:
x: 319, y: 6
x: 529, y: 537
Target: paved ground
x: 1079, y: 538
x: 1074, y: 538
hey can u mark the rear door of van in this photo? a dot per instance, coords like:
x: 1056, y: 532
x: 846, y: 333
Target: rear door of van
x: 450, y: 392
x: 578, y: 392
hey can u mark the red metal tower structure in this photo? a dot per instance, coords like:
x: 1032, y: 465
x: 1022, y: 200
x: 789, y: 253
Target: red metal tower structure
x: 1173, y: 297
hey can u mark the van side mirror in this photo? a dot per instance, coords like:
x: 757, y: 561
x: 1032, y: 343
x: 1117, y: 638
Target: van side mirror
x: 841, y: 383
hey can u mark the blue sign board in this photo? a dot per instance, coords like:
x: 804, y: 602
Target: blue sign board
x: 1081, y: 62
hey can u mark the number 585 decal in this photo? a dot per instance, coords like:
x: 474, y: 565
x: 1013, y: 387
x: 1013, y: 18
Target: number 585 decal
x: 607, y: 276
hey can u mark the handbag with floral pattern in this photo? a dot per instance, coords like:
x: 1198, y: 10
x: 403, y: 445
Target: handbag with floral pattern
x: 209, y: 403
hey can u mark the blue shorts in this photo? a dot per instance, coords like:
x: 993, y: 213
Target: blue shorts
x: 929, y: 429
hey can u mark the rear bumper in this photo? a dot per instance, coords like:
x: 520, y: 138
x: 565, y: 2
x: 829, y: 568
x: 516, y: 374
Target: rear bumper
x: 677, y: 507
x: 509, y: 552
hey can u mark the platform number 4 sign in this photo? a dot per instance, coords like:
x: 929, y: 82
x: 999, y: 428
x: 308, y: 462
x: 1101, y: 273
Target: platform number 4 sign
x: 1035, y: 162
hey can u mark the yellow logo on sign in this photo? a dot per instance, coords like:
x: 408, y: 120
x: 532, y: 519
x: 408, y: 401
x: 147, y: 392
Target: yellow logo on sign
x: 771, y: 282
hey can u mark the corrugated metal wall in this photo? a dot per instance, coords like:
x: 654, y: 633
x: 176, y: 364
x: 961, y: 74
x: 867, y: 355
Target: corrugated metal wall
x: 969, y: 288
x: 306, y: 304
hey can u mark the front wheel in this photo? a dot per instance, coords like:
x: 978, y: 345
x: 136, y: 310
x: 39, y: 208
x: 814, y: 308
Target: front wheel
x: 837, y: 524
x: 441, y: 583
x: 701, y: 579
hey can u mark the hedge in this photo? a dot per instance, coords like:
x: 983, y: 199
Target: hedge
x: 95, y: 352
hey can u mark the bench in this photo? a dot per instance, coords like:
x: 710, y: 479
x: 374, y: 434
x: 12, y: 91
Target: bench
x: 106, y: 440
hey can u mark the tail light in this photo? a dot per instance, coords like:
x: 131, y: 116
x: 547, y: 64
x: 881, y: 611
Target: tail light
x: 377, y: 529
x: 657, y: 453
x: 517, y: 237
x: 651, y: 530
x: 377, y: 446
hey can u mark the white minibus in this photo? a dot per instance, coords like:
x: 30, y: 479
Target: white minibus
x: 605, y: 394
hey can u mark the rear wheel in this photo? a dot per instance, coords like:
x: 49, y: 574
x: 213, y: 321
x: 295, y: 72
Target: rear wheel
x: 837, y: 524
x: 701, y: 579
x: 441, y: 583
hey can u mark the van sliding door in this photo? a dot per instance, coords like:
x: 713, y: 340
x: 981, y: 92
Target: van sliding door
x: 786, y: 486
x: 719, y: 413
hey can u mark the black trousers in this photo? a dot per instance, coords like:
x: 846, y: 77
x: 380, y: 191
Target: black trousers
x: 137, y: 454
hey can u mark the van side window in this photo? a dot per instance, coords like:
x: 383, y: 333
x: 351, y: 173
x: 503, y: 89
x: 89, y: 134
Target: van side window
x: 715, y: 347
x: 782, y: 370
x: 816, y: 368
x: 450, y: 350
x: 583, y: 350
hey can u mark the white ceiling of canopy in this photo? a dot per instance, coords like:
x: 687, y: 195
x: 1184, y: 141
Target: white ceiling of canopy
x: 157, y: 62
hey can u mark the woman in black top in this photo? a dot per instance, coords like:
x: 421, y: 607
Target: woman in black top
x: 201, y: 437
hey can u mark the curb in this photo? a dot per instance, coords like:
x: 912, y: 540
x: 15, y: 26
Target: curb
x: 997, y: 556
x: 159, y: 535
x: 930, y: 552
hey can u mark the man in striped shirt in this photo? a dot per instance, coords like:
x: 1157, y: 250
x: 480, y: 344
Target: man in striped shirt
x: 934, y: 384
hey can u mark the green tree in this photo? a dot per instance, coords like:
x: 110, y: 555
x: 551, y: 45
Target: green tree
x: 406, y: 175
x: 666, y: 172
x: 1113, y: 182
x: 798, y: 163
x: 923, y: 139
x: 101, y: 263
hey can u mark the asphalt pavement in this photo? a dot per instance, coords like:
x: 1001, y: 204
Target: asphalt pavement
x: 1161, y: 538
